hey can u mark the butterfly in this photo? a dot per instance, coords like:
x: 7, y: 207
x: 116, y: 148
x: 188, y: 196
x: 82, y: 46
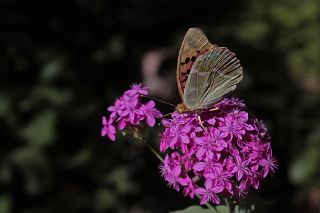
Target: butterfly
x: 205, y: 72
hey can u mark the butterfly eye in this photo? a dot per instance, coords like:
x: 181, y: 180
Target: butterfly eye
x: 193, y: 58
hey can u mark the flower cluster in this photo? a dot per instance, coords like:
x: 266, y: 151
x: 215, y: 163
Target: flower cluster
x: 222, y: 153
x: 129, y: 110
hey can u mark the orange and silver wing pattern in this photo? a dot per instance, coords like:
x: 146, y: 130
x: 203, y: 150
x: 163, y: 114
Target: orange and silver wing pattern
x: 195, y: 43
x: 212, y: 75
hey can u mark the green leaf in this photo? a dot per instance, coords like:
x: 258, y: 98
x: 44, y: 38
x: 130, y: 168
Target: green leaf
x: 41, y: 130
x: 52, y: 68
x: 5, y: 204
x: 199, y: 209
x: 34, y: 166
x: 305, y: 166
x: 222, y: 209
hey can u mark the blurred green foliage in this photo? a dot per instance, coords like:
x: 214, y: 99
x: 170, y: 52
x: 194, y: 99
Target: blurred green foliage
x: 63, y: 63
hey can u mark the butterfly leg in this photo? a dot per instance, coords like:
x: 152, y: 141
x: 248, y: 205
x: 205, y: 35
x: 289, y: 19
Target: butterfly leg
x: 200, y: 122
x: 217, y: 108
x: 214, y: 109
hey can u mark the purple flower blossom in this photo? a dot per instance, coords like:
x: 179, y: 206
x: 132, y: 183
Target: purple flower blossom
x: 137, y: 89
x: 132, y: 111
x: 221, y: 177
x: 224, y: 157
x: 231, y: 154
x: 232, y: 128
x: 207, y: 167
x: 116, y: 109
x: 129, y: 110
x: 208, y: 194
x: 170, y: 170
x: 268, y: 164
x: 189, y: 187
x: 209, y: 144
x: 150, y: 112
x: 108, y: 129
x: 180, y: 134
x: 241, y: 167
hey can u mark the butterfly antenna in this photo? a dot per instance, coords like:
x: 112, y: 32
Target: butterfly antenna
x: 155, y: 99
x: 170, y: 113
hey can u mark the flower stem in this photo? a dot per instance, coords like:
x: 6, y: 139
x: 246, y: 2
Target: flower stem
x: 152, y: 150
x: 139, y: 132
x: 229, y: 205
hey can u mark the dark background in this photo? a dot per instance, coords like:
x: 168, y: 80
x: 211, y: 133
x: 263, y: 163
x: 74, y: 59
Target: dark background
x: 62, y: 63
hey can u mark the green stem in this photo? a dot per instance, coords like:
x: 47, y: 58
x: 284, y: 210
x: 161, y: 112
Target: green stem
x: 152, y: 150
x: 229, y: 205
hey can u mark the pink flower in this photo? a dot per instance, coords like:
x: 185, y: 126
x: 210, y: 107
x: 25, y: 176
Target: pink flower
x: 189, y: 187
x: 208, y: 194
x: 241, y: 167
x: 150, y: 112
x: 213, y: 141
x: 171, y: 170
x: 179, y: 134
x: 222, y: 177
x: 231, y: 154
x: 108, y: 129
x: 130, y: 110
x: 268, y: 164
x: 137, y: 89
x: 207, y: 167
x: 232, y: 128
x: 116, y: 109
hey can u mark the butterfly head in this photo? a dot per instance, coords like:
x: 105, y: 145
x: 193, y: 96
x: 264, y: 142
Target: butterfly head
x: 182, y: 108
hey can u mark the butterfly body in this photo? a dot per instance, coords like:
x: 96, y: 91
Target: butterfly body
x: 205, y: 72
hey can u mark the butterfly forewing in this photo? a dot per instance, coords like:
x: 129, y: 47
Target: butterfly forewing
x: 212, y: 75
x: 194, y: 44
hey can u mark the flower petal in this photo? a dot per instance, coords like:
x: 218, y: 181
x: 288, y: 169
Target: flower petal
x: 104, y: 120
x: 199, y: 166
x: 112, y: 136
x: 104, y: 131
x: 184, y: 139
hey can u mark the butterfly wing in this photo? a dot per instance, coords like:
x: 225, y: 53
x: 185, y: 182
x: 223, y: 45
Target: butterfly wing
x: 213, y: 75
x: 194, y: 44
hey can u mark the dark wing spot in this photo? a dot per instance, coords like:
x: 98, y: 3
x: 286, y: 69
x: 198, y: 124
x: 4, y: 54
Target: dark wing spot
x: 198, y: 51
x: 187, y: 60
x: 193, y: 58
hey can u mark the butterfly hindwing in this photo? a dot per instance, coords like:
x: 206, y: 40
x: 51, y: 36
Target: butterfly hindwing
x: 195, y: 43
x: 212, y: 75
